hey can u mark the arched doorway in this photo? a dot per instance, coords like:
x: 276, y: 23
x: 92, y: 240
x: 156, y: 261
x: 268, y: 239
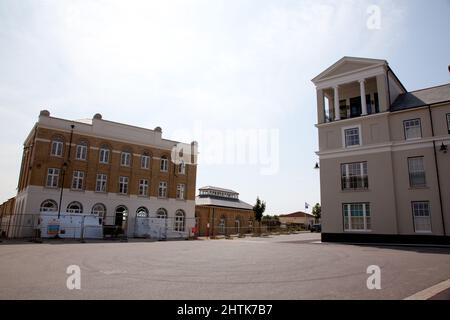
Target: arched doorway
x: 121, y: 217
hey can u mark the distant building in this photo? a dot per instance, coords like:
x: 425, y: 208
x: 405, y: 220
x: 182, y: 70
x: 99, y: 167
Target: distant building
x: 299, y: 218
x: 115, y: 171
x: 219, y: 211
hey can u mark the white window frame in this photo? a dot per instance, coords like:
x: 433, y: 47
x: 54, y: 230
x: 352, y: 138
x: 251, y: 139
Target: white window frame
x: 344, y: 140
x: 53, y: 175
x: 81, y: 152
x: 181, y: 191
x: 415, y: 170
x: 347, y: 214
x: 80, y: 206
x: 143, y: 187
x: 101, y: 182
x: 100, y: 213
x: 162, y: 189
x: 123, y: 184
x: 57, y: 148
x: 348, y: 176
x: 104, y: 155
x: 164, y: 164
x: 179, y: 221
x: 125, y: 159
x: 145, y: 161
x: 78, y: 180
x: 405, y: 129
x: 54, y: 206
x: 420, y: 220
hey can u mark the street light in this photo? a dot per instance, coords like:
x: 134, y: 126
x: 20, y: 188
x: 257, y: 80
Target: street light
x: 443, y: 148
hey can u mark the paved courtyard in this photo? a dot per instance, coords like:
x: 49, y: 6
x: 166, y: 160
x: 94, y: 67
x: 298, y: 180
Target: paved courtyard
x: 277, y: 267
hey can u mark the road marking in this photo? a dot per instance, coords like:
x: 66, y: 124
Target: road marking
x: 430, y: 292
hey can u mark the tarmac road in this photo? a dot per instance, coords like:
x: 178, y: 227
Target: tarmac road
x: 277, y: 267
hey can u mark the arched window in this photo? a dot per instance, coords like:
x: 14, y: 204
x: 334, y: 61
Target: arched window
x: 49, y: 206
x: 104, y: 154
x: 161, y: 213
x: 237, y: 224
x: 75, y: 207
x: 179, y: 221
x: 164, y: 164
x: 121, y: 215
x: 222, y: 224
x: 81, y: 150
x: 57, y: 147
x: 99, y: 210
x: 142, y: 212
x: 145, y: 160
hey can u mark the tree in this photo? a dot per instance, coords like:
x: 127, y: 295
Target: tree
x: 317, y: 211
x: 259, y: 209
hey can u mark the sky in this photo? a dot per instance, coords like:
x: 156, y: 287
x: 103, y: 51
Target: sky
x: 234, y: 75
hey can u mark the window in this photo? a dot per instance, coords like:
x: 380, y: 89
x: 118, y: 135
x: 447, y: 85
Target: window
x: 142, y: 212
x: 104, y: 155
x: 162, y: 192
x: 75, y: 207
x: 49, y: 206
x: 99, y: 210
x: 357, y: 217
x: 421, y: 215
x: 81, y: 152
x: 145, y: 161
x: 180, y: 191
x: 125, y: 159
x: 237, y: 225
x: 448, y: 123
x: 352, y: 137
x: 416, y: 172
x: 412, y: 129
x: 164, y: 164
x: 143, y: 187
x: 52, y: 178
x: 179, y: 221
x: 354, y: 176
x: 123, y: 185
x: 78, y: 180
x: 161, y: 213
x: 182, y: 168
x: 222, y: 224
x: 57, y: 148
x: 101, y: 182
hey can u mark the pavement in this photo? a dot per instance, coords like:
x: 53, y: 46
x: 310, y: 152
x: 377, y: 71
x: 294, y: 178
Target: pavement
x: 289, y: 267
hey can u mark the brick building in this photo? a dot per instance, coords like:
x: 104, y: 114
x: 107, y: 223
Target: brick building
x: 116, y: 171
x: 223, y: 212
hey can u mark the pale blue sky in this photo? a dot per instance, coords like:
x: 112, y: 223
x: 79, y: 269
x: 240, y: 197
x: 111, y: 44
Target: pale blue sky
x: 218, y: 65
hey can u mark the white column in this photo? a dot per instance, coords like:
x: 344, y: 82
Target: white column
x: 363, y: 96
x: 337, y: 113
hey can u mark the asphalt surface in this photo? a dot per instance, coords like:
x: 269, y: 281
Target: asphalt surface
x: 278, y: 267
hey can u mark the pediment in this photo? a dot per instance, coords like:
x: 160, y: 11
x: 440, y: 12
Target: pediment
x: 348, y: 65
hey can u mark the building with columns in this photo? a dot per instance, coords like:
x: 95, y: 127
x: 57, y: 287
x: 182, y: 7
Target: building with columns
x: 115, y: 171
x: 384, y: 160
